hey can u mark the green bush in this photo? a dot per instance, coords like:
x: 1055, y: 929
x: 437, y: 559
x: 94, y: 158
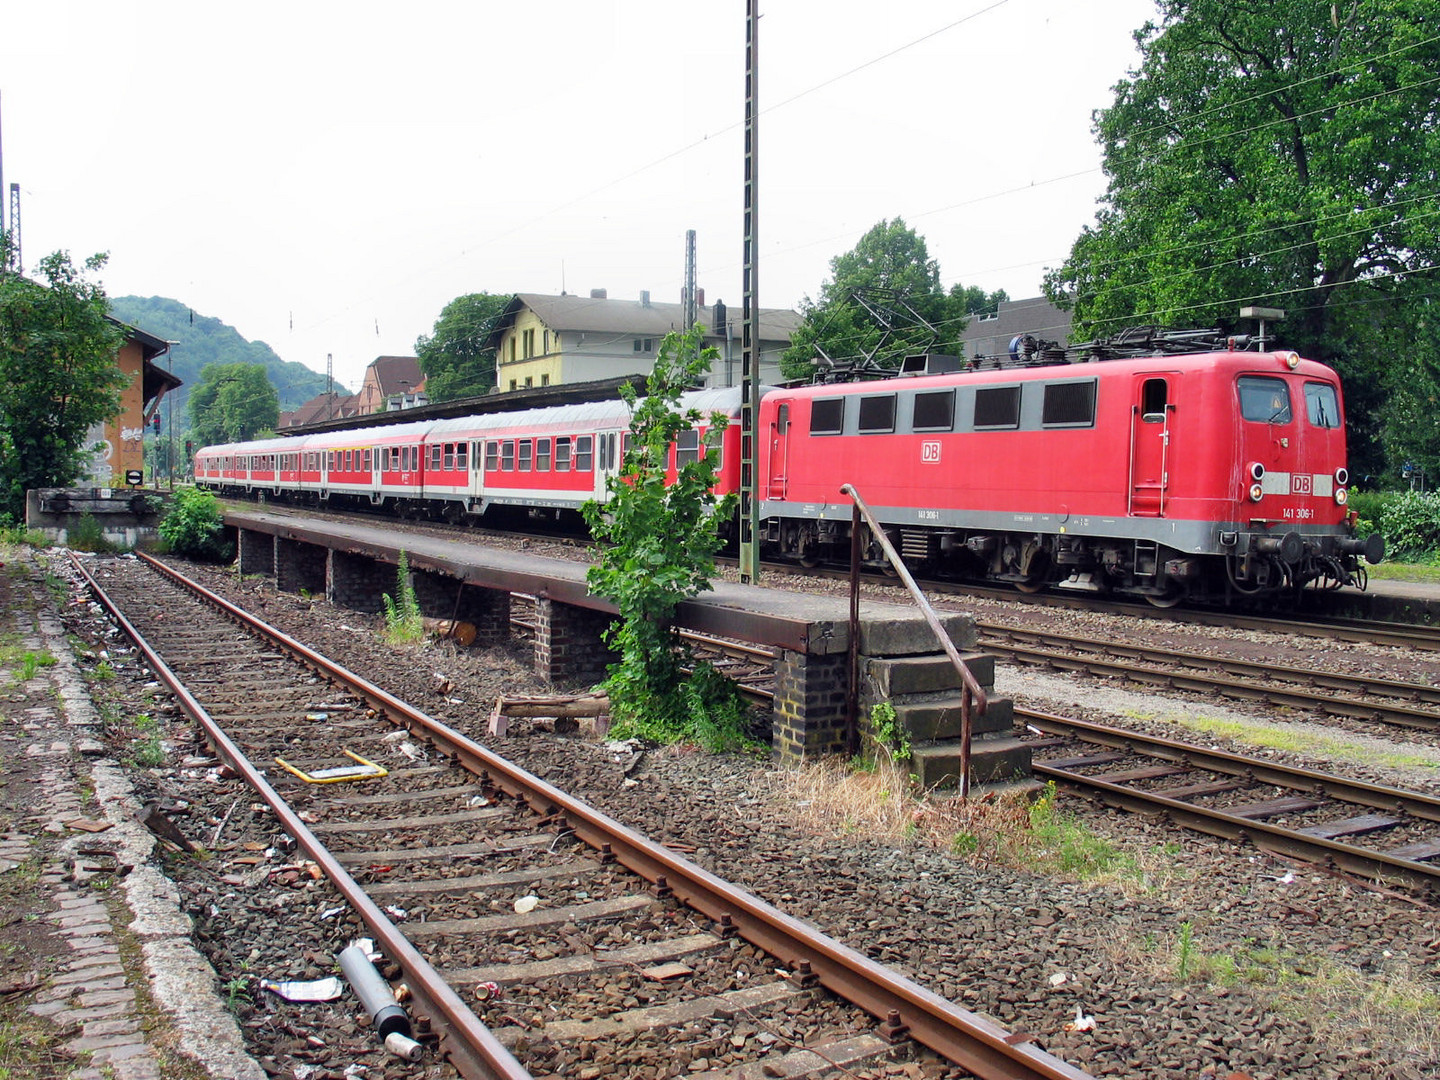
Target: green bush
x: 87, y: 535
x: 193, y: 527
x: 1369, y: 507
x: 1410, y: 523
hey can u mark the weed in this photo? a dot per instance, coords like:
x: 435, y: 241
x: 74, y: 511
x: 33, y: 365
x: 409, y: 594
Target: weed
x: 148, y: 753
x: 33, y: 662
x: 888, y: 733
x: 237, y: 993
x: 144, y: 722
x: 965, y: 844
x: 103, y: 671
x: 87, y: 535
x: 1185, y: 950
x: 403, y: 625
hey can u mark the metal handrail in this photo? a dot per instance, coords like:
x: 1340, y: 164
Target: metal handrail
x: 972, y: 700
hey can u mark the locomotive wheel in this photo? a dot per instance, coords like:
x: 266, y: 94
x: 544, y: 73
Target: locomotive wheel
x: 1030, y: 587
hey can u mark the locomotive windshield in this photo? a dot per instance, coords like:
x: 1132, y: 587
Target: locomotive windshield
x: 1264, y: 399
x: 1322, y: 405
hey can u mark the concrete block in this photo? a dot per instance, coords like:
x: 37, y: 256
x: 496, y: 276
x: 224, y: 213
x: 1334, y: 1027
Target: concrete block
x: 912, y: 636
x: 942, y: 718
x: 890, y: 677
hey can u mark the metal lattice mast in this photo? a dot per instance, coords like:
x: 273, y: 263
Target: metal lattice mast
x: 689, y: 278
x: 750, y: 317
x: 17, y: 263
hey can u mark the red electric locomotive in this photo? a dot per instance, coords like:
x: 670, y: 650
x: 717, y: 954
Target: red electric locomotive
x: 1210, y: 475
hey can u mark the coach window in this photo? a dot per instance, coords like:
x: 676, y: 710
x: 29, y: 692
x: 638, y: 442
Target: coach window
x: 562, y: 454
x: 1322, y: 405
x: 434, y: 456
x: 527, y: 451
x: 461, y: 463
x: 1069, y: 404
x: 448, y: 461
x: 369, y: 460
x: 935, y: 411
x: 687, y: 447
x: 997, y: 407
x: 827, y: 416
x: 492, y: 455
x: 584, y: 453
x: 1264, y: 399
x: 507, y: 456
x: 542, y: 455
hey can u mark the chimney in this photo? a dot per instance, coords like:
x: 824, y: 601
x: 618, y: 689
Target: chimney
x: 644, y: 297
x: 699, y: 298
x: 599, y: 294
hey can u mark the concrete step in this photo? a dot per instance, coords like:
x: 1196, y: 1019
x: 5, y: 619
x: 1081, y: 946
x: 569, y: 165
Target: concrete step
x: 887, y: 678
x: 940, y: 717
x: 993, y: 759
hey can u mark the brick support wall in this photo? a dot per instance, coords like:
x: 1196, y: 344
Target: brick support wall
x: 300, y: 566
x: 256, y: 552
x: 809, y: 717
x: 568, y: 644
x: 443, y: 597
x: 358, y: 581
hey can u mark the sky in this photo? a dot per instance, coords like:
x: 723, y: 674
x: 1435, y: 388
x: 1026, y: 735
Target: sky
x: 326, y: 177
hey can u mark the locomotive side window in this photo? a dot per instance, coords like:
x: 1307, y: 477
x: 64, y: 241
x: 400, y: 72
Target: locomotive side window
x: 584, y: 453
x: 492, y: 456
x: 1069, y: 403
x: 527, y: 452
x: 1322, y: 406
x: 562, y: 454
x: 1264, y: 399
x: 935, y: 410
x: 997, y: 407
x: 827, y: 416
x: 542, y: 454
x: 877, y: 414
x: 507, y: 456
x: 1154, y: 396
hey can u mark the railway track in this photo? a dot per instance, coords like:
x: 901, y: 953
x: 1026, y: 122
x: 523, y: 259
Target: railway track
x: 498, y: 898
x: 1363, y: 829
x: 1405, y: 704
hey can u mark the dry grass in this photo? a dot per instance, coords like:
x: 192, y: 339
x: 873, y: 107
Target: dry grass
x: 1013, y: 829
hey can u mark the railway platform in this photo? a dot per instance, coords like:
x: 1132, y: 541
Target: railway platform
x: 354, y: 564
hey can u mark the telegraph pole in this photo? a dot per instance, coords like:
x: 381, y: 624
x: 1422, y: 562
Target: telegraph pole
x: 750, y: 317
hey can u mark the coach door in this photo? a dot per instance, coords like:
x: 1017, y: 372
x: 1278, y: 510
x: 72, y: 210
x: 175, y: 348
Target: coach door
x: 1151, y: 413
x: 607, y: 459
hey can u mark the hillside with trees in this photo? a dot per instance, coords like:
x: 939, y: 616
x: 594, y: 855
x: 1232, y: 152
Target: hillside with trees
x: 205, y: 341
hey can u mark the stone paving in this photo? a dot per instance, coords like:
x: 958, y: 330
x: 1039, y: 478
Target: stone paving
x: 92, y: 996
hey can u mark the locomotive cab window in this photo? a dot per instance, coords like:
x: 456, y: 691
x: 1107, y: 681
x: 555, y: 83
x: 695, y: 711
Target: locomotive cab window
x: 827, y: 416
x: 997, y: 407
x: 1264, y: 399
x: 934, y: 410
x: 1068, y: 404
x: 1322, y: 405
x: 877, y: 414
x: 1154, y: 396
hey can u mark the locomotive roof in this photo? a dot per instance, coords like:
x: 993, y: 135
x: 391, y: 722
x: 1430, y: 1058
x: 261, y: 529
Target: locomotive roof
x: 1231, y: 360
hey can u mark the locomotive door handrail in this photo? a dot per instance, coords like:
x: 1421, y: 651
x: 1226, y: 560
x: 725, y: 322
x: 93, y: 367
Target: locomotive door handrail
x: 973, y: 701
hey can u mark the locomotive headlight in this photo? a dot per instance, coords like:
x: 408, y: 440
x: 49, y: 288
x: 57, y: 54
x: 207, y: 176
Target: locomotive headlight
x: 1257, y: 471
x: 1255, y: 492
x: 1342, y: 476
x: 1291, y: 359
x: 1341, y: 496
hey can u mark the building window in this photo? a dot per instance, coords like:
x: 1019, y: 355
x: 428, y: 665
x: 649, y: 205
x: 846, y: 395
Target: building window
x: 544, y: 380
x: 644, y: 344
x: 529, y: 381
x: 547, y: 342
x: 512, y: 348
x: 513, y: 384
x: 529, y: 344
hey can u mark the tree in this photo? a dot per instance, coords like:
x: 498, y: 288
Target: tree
x: 1277, y: 154
x: 975, y: 300
x: 889, y: 268
x: 659, y: 543
x: 233, y: 402
x: 58, y: 375
x: 455, y: 358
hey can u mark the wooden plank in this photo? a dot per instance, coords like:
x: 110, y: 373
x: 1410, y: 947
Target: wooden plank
x: 1286, y: 804
x: 531, y: 920
x: 1425, y: 849
x: 1208, y: 787
x: 482, y: 881
x: 421, y: 821
x: 1351, y: 826
x: 1151, y: 772
x: 446, y: 851
x: 1081, y: 762
x: 584, y: 963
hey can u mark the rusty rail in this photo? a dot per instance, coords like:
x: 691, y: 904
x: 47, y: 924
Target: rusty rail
x: 972, y: 700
